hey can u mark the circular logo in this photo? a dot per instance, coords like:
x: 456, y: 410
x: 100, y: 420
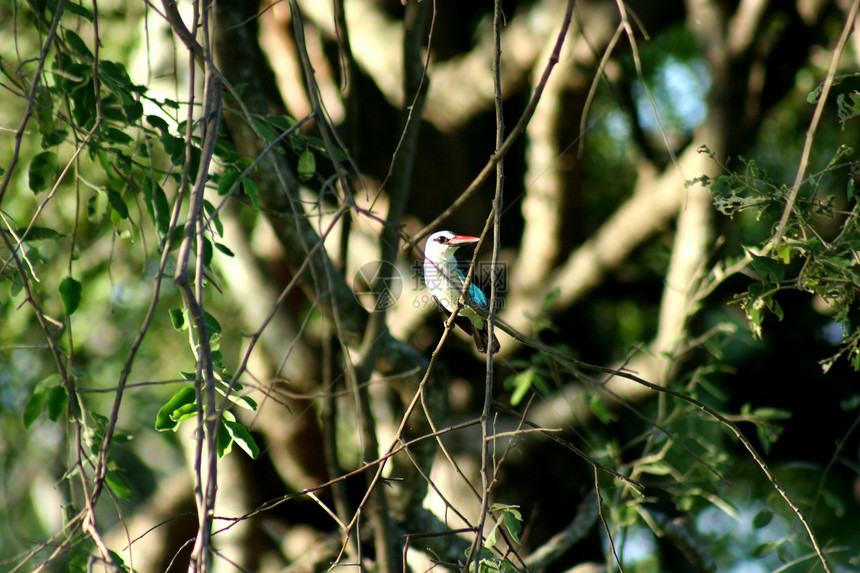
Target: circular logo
x: 377, y: 285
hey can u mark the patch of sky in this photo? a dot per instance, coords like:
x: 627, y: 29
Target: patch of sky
x: 737, y: 535
x: 634, y: 547
x: 679, y: 90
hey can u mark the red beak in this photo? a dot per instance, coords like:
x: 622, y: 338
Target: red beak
x: 463, y: 240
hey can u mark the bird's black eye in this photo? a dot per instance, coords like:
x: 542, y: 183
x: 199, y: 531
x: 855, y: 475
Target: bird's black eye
x: 442, y: 240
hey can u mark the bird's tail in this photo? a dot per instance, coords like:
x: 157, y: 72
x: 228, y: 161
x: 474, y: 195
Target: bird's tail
x: 481, y: 336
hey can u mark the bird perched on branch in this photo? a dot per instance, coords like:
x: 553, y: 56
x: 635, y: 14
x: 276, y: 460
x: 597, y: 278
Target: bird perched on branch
x: 445, y: 282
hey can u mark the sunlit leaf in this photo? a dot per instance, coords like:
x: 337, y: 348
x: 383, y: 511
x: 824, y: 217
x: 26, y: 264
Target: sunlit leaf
x: 307, y: 165
x: 177, y: 318
x: 521, y: 384
x: 491, y: 537
x: 225, y: 440
x: 513, y: 524
x: 117, y: 485
x: 243, y: 438
x: 166, y: 419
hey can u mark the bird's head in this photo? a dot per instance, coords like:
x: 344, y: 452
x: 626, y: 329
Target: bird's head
x: 444, y: 243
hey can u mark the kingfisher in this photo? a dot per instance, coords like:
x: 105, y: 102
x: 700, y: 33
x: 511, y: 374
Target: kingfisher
x: 445, y: 282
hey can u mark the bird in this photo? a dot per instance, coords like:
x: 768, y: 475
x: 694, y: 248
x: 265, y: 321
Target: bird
x: 445, y: 282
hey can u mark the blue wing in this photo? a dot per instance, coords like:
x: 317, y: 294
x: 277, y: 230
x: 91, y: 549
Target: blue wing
x: 476, y: 294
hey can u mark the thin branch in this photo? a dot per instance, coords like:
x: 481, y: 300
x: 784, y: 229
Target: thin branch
x: 516, y: 132
x: 813, y: 125
x: 574, y: 365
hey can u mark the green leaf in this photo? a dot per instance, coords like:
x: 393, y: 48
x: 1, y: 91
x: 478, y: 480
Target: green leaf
x: 307, y: 165
x: 115, y: 75
x: 118, y: 203
x: 207, y: 252
x: 212, y: 213
x: 169, y: 414
x: 598, y: 408
x: 768, y: 268
x: 118, y: 561
x: 70, y: 293
x: 762, y: 519
x: 184, y: 412
x: 79, y: 10
x: 784, y: 552
x: 52, y: 139
x: 722, y: 185
x: 834, y: 502
x: 212, y: 324
x: 656, y: 468
x: 225, y: 441
x: 768, y: 413
x: 226, y: 151
x: 37, y: 234
x: 763, y: 549
x: 550, y: 298
x: 33, y: 408
x: 245, y: 402
x: 43, y: 169
x: 227, y: 179
x: 784, y: 253
x: 132, y: 108
x: 84, y: 98
x: 491, y: 537
x: 250, y: 189
x: 118, y: 136
x: 177, y: 318
x: 57, y: 400
x: 265, y: 131
x: 282, y: 122
x: 513, y: 523
x: 242, y: 437
x: 117, y: 485
x: 521, y: 384
x: 156, y: 205
x: 158, y: 123
x: 77, y: 45
x: 224, y: 249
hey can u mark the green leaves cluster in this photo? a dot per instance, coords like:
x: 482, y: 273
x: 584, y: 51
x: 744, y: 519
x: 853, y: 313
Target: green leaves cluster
x: 184, y: 404
x: 509, y: 519
x: 810, y: 257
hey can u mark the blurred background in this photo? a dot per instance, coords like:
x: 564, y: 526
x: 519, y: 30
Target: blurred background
x: 639, y: 228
